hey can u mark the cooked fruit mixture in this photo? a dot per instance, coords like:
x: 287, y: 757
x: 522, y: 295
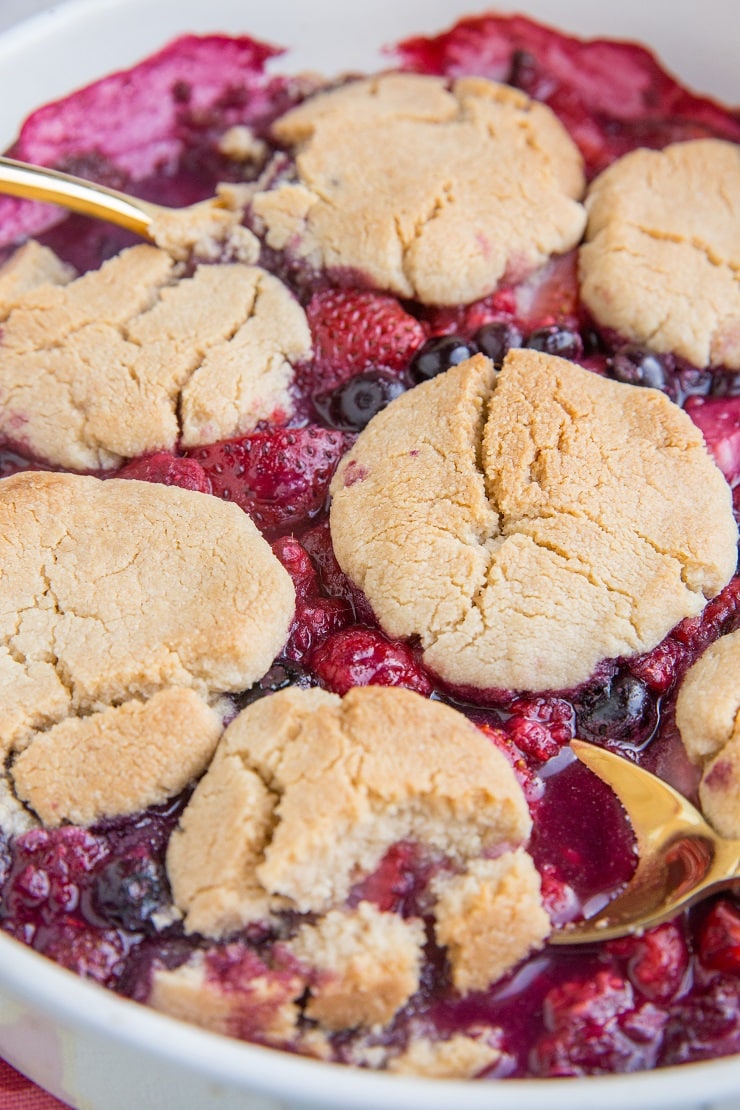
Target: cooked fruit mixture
x: 322, y: 540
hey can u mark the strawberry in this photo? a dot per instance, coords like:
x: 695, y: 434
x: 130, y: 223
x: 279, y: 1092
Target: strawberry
x: 718, y: 419
x: 719, y: 937
x: 168, y: 470
x: 280, y: 477
x: 354, y: 330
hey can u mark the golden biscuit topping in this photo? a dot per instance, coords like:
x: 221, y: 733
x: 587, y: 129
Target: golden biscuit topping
x: 127, y: 609
x: 529, y: 524
x: 429, y: 191
x: 134, y: 358
x: 662, y: 260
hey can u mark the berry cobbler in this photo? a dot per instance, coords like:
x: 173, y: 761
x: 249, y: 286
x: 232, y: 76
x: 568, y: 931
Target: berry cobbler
x: 328, y: 525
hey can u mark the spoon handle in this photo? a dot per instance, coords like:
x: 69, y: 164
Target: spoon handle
x: 19, y: 179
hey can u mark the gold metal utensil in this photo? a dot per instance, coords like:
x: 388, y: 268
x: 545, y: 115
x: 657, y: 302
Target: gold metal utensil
x: 175, y: 229
x: 680, y: 858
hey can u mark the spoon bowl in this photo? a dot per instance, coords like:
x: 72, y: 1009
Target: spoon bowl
x: 681, y: 859
x: 178, y: 230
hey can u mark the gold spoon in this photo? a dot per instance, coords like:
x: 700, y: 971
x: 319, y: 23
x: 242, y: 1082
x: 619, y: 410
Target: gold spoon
x: 680, y: 858
x: 178, y: 230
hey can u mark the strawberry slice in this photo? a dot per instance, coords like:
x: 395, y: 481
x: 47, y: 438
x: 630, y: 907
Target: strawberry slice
x: 354, y: 330
x: 280, y: 477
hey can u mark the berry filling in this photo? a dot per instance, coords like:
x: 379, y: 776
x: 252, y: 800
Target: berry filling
x: 97, y: 900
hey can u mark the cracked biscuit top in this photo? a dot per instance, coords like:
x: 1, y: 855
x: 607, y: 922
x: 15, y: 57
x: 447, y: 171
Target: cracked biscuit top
x: 429, y: 191
x: 305, y: 795
x: 528, y: 524
x: 127, y: 609
x: 133, y: 358
x: 708, y: 718
x: 662, y: 260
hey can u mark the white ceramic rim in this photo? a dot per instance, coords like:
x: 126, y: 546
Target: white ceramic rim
x: 80, y: 1006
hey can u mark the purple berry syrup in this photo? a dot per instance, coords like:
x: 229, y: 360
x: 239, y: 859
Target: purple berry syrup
x: 96, y: 900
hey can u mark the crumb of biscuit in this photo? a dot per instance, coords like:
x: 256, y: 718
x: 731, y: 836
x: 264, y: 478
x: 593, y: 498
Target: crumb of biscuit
x: 159, y: 746
x: 461, y: 1056
x: 263, y: 1004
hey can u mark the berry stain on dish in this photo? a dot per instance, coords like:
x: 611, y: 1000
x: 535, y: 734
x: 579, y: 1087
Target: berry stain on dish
x: 363, y: 514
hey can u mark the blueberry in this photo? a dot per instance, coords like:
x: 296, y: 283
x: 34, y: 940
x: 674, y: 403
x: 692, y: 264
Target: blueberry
x: 128, y: 890
x: 554, y: 340
x: 439, y: 354
x: 639, y: 366
x: 352, y: 405
x: 496, y: 339
x: 621, y: 710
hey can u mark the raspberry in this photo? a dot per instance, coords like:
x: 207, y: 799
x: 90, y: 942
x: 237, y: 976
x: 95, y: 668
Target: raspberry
x: 658, y: 668
x: 316, y: 616
x: 530, y: 783
x: 50, y: 869
x: 541, y: 726
x: 317, y: 542
x: 591, y: 1002
x: 719, y: 937
x: 657, y: 961
x: 168, y: 470
x: 97, y: 954
x: 705, y: 1025
x: 361, y: 656
x: 280, y: 477
x: 593, y: 1027
x: 356, y: 330
x: 297, y: 562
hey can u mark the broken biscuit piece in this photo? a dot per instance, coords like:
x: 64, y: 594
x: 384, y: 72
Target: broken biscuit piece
x: 308, y: 791
x: 528, y: 524
x: 365, y: 963
x: 305, y: 795
x: 489, y: 917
